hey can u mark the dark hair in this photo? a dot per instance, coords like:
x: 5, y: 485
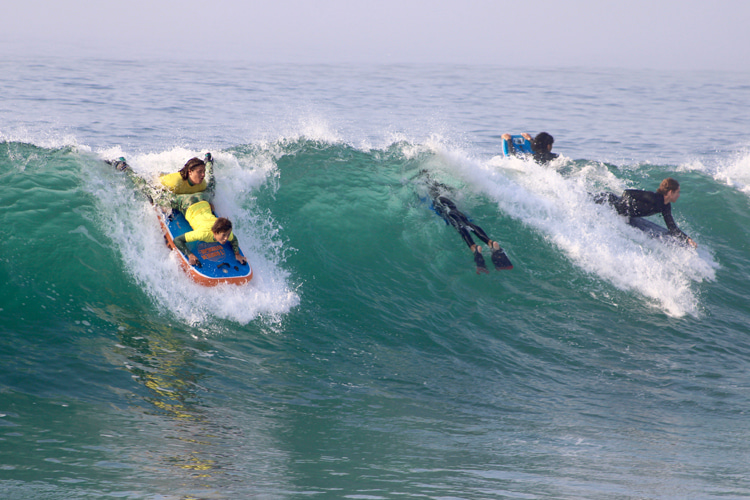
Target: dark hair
x: 222, y: 225
x: 191, y: 164
x: 668, y: 185
x: 542, y: 142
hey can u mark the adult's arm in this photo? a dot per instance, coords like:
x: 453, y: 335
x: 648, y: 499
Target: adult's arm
x: 672, y: 226
x: 210, y: 179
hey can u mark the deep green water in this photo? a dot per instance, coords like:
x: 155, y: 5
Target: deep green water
x: 367, y: 359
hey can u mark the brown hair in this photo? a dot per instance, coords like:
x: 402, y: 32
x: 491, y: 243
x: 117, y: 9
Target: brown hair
x: 191, y: 164
x: 222, y: 225
x: 668, y: 185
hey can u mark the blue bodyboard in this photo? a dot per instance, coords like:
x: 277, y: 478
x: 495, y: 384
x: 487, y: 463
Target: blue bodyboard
x: 651, y: 228
x: 217, y: 262
x: 654, y: 230
x: 517, y: 146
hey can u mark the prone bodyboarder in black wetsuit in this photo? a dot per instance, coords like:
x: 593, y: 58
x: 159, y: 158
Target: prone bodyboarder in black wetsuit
x: 541, y: 146
x: 638, y: 203
x: 446, y: 209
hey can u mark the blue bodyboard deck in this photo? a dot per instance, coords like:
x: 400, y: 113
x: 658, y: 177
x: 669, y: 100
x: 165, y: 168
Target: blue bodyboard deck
x: 217, y: 262
x: 520, y: 144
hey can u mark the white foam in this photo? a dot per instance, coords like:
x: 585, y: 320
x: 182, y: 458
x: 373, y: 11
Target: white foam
x: 307, y: 126
x: 592, y: 236
x: 42, y: 139
x: 734, y: 172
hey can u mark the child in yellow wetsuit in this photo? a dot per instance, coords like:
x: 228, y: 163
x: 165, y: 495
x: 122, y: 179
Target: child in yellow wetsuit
x: 206, y: 227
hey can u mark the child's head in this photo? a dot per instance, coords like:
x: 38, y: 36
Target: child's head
x: 222, y: 229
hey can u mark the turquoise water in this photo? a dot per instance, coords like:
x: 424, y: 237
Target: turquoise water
x: 367, y: 359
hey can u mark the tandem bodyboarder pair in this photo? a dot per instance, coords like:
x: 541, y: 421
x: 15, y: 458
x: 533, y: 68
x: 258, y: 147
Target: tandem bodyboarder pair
x: 184, y: 202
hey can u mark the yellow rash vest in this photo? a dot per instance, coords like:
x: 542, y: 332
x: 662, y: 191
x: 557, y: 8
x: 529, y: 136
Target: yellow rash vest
x: 175, y: 183
x: 201, y: 219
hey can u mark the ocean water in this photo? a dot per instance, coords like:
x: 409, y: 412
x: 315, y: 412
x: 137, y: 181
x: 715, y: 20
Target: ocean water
x: 367, y: 359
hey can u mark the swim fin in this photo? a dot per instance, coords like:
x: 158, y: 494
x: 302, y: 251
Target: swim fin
x: 479, y: 261
x: 501, y: 260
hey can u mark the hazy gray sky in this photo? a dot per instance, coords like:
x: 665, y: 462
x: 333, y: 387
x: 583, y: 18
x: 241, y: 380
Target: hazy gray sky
x: 669, y: 34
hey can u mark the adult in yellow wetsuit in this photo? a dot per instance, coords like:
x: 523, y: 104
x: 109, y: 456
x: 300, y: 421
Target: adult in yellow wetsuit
x: 195, y: 177
x: 190, y: 179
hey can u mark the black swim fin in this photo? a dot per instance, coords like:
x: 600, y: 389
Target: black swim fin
x: 501, y: 260
x: 479, y: 261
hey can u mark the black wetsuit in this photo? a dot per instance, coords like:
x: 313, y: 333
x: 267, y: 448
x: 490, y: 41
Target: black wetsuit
x: 541, y: 157
x: 638, y: 203
x: 448, y: 211
x: 544, y: 157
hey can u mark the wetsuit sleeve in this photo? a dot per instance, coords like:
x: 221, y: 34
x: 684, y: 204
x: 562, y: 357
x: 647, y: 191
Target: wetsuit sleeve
x: 156, y: 195
x: 235, y: 244
x: 140, y: 183
x: 181, y: 243
x: 671, y: 225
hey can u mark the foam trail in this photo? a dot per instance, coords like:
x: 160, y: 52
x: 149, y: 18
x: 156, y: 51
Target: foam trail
x: 592, y: 236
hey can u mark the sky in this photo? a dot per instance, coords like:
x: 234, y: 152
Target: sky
x: 638, y: 34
